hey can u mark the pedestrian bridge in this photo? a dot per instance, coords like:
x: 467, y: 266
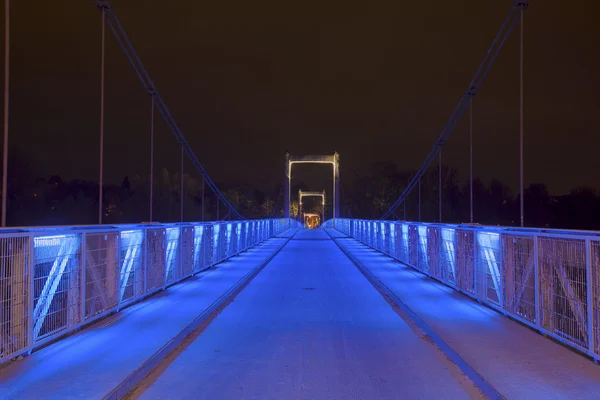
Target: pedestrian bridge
x: 266, y: 310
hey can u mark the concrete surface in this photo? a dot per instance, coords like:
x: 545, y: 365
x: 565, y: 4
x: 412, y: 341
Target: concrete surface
x: 88, y: 365
x: 518, y: 362
x: 309, y: 326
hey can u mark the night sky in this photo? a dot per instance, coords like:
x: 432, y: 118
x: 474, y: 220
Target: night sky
x: 246, y: 81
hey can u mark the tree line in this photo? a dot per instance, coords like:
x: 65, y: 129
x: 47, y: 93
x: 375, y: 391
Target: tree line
x: 493, y: 203
x: 52, y: 201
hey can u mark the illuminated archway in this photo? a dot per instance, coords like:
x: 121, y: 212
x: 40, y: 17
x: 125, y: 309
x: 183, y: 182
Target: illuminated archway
x: 311, y: 220
x: 334, y: 160
x: 302, y: 194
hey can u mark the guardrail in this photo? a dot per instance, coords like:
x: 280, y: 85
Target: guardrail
x: 53, y: 280
x: 547, y: 279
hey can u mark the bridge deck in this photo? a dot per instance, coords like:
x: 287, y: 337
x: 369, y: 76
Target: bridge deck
x: 309, y: 325
x: 90, y: 364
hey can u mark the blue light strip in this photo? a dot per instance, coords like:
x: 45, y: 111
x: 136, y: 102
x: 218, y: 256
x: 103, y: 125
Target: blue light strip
x: 405, y: 243
x: 198, y: 234
x: 66, y: 249
x: 449, y: 241
x: 216, y: 237
x: 132, y: 241
x: 488, y: 243
x: 172, y: 246
x: 229, y: 244
x: 423, y: 245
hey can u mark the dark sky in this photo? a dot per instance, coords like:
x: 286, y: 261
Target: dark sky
x: 246, y: 81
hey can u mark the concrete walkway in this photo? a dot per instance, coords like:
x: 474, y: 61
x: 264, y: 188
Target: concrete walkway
x: 518, y: 362
x: 309, y: 326
x: 90, y: 364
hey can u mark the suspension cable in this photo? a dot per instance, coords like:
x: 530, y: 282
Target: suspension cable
x: 473, y: 88
x: 138, y: 67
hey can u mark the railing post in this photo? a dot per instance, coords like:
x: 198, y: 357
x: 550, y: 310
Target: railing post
x: 31, y: 294
x: 145, y: 266
x: 440, y: 185
x: 501, y: 272
x: 83, y: 273
x: 474, y: 266
x: 6, y: 109
x: 590, y: 295
x: 536, y: 275
x: 101, y: 183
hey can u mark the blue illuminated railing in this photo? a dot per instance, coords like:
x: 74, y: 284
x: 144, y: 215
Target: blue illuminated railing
x: 547, y: 279
x: 53, y: 280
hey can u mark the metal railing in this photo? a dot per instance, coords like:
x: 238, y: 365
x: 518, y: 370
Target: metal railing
x: 547, y: 279
x: 53, y: 280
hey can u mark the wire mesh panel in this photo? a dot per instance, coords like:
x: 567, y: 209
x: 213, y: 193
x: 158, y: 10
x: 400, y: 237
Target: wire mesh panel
x: 231, y: 238
x: 448, y: 255
x: 380, y: 236
x: 208, y: 245
x: 465, y: 262
x: 101, y: 272
x: 131, y: 274
x: 154, y: 265
x: 595, y: 272
x: 239, y: 234
x: 219, y: 231
x: 405, y: 249
x: 249, y: 234
x: 56, y: 284
x: 172, y: 255
x: 519, y: 276
x: 413, y: 246
x: 14, y: 295
x: 199, y: 240
x: 433, y: 251
x: 563, y: 305
x: 488, y: 267
x: 391, y: 229
x: 217, y: 243
x: 422, y: 259
x: 186, y: 254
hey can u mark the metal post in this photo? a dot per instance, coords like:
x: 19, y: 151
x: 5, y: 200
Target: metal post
x: 419, y: 219
x: 589, y: 296
x: 471, y: 159
x: 82, y: 277
x: 6, y: 87
x: 536, y: 283
x: 100, y: 183
x: 181, y: 188
x: 151, y: 157
x: 521, y: 121
x: 202, y: 198
x: 440, y: 185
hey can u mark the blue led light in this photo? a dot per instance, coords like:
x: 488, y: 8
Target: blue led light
x: 132, y: 241
x: 216, y: 237
x: 172, y: 246
x: 198, y: 234
x: 423, y: 245
x: 449, y: 249
x: 393, y: 239
x: 62, y: 249
x: 489, y: 243
x: 228, y: 243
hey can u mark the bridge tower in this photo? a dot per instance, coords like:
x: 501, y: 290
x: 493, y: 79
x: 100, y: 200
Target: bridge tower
x: 333, y: 160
